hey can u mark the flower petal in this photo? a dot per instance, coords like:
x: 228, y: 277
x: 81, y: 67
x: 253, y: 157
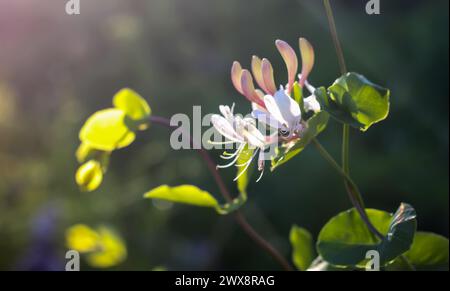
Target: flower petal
x: 249, y: 89
x: 260, y: 94
x: 266, y: 118
x: 236, y: 72
x: 257, y: 72
x: 225, y: 128
x: 274, y: 109
x: 226, y: 112
x: 290, y: 58
x: 267, y: 72
x: 308, y: 86
x: 290, y: 110
x: 307, y: 53
x: 311, y: 104
x: 254, y: 137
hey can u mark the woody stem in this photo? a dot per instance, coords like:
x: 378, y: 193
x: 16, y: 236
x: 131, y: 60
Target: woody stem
x: 238, y: 215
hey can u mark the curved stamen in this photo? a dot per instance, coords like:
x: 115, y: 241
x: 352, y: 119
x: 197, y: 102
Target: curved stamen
x: 221, y: 142
x: 228, y: 156
x: 260, y: 176
x: 229, y: 164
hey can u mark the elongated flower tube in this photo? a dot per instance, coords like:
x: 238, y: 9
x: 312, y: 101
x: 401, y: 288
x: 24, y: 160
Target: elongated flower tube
x: 307, y: 53
x: 236, y: 73
x: 249, y: 90
x: 242, y: 132
x: 290, y: 58
x: 267, y: 72
x: 257, y: 73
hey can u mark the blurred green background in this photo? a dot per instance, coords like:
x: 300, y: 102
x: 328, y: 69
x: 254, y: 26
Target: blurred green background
x: 56, y: 70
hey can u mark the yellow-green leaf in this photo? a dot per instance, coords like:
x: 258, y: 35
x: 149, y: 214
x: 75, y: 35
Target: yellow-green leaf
x: 89, y: 176
x: 297, y: 93
x: 303, y: 252
x: 315, y: 125
x: 132, y: 104
x: 429, y: 252
x: 354, y: 100
x: 345, y: 239
x: 187, y: 194
x: 106, y: 130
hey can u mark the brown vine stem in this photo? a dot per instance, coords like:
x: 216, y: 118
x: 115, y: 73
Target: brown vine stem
x: 238, y: 216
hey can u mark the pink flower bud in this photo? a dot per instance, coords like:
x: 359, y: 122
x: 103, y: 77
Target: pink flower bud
x: 290, y: 58
x: 267, y: 72
x: 257, y: 72
x: 307, y: 53
x: 249, y: 89
x: 236, y: 72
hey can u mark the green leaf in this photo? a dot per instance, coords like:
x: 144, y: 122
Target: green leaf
x: 354, y: 100
x: 134, y: 106
x: 192, y: 195
x: 187, y: 194
x: 345, y: 239
x: 89, y: 176
x: 400, y: 235
x: 302, y: 244
x: 429, y: 252
x: 297, y: 93
x: 315, y: 125
x: 106, y: 130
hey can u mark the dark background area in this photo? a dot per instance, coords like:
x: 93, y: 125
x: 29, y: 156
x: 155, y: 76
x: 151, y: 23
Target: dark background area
x: 56, y: 70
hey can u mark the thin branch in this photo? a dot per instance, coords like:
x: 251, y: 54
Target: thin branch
x: 335, y: 37
x: 354, y: 194
x: 352, y: 190
x: 238, y: 216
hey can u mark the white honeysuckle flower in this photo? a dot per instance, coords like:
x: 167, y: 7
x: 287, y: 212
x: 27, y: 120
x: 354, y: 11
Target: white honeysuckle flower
x: 310, y: 103
x: 273, y: 107
x: 262, y: 115
x: 242, y: 132
x: 282, y: 112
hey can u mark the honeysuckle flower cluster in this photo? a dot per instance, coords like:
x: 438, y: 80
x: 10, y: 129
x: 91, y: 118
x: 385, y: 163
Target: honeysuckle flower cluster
x: 243, y: 132
x: 271, y: 105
